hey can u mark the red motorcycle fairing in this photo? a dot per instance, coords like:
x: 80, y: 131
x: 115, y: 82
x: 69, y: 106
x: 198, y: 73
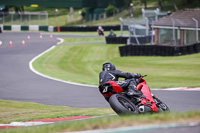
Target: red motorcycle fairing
x: 115, y: 86
x: 142, y: 86
x: 105, y: 91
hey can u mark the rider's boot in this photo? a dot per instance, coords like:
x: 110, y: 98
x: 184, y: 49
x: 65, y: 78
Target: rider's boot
x: 132, y: 91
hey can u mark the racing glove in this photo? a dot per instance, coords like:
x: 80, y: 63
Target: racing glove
x: 137, y: 75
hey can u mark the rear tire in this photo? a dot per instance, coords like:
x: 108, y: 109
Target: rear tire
x: 122, y: 105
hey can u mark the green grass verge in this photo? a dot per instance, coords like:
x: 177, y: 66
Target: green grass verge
x: 75, y: 40
x: 83, y: 63
x: 106, y: 33
x: 24, y: 111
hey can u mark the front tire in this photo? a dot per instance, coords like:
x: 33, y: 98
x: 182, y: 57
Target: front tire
x: 122, y: 105
x: 161, y: 105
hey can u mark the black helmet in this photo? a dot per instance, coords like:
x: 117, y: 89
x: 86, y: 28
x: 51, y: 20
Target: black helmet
x: 108, y: 66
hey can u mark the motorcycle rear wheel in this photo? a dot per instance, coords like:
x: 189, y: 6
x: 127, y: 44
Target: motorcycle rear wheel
x: 122, y: 105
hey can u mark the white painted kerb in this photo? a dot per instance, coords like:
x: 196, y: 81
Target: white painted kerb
x: 45, y: 76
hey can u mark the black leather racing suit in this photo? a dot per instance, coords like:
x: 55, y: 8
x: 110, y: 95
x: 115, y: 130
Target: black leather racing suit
x: 113, y: 75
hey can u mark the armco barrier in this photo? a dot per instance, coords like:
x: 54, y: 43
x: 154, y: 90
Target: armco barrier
x: 61, y: 29
x: 158, y: 50
x: 43, y: 28
x: 6, y: 27
x: 28, y: 28
x: 16, y: 27
x: 25, y: 28
x: 1, y: 27
x: 50, y: 28
x: 34, y: 27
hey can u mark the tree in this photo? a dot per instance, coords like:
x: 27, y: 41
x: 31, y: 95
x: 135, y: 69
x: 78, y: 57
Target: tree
x: 83, y: 12
x: 127, y: 3
x: 160, y: 4
x: 145, y: 3
x: 110, y: 10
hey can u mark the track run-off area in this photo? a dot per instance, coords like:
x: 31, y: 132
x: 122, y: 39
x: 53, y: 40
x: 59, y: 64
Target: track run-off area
x: 19, y: 82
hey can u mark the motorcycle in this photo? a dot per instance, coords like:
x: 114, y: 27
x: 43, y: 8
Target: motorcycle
x: 122, y: 103
x: 100, y: 32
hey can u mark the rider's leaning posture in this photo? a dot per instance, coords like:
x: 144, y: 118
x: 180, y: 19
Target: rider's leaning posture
x: 110, y: 73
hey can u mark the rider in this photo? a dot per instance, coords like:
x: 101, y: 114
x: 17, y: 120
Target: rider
x: 110, y: 73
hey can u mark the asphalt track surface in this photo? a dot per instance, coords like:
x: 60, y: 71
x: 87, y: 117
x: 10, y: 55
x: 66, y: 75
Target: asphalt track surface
x: 19, y: 83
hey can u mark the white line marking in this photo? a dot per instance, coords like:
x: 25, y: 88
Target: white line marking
x: 25, y: 124
x: 61, y: 41
x: 0, y: 42
x: 45, y: 76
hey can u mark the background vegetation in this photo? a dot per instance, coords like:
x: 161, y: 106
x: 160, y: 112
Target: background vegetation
x: 64, y: 18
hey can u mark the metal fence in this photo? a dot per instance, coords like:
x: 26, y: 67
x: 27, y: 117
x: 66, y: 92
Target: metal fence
x: 134, y: 28
x: 153, y: 15
x: 141, y: 26
x: 26, y: 18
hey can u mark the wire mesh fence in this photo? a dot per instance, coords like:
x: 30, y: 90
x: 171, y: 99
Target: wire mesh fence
x: 45, y: 18
x: 26, y: 18
x: 134, y: 28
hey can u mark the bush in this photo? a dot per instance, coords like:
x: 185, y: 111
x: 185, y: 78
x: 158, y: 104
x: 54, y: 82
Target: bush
x: 110, y: 10
x: 83, y: 12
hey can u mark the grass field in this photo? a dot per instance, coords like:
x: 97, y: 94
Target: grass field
x: 82, y: 64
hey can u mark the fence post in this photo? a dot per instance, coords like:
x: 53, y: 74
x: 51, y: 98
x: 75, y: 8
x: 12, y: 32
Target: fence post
x: 147, y: 26
x: 47, y: 22
x: 197, y: 39
x: 29, y: 19
x: 3, y: 17
x: 152, y: 32
x: 121, y: 26
x: 157, y: 12
x: 20, y: 18
x: 173, y: 30
x: 11, y: 18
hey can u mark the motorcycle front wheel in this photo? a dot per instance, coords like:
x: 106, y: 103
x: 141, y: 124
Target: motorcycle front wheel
x: 122, y: 105
x: 161, y: 105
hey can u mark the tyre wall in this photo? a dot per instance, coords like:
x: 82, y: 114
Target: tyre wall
x: 157, y: 50
x: 116, y: 40
x: 123, y: 40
